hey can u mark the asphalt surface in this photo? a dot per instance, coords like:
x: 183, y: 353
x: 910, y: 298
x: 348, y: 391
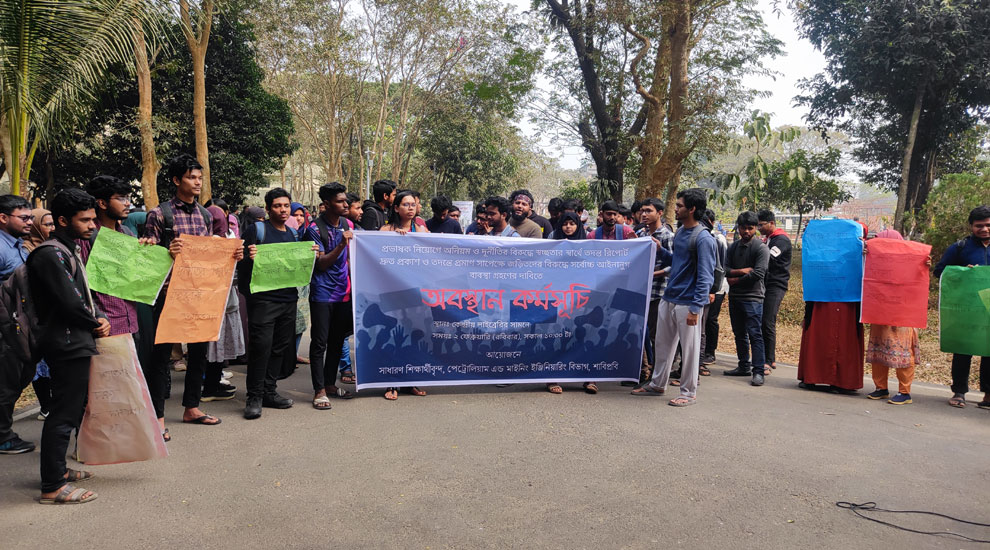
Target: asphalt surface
x: 517, y: 467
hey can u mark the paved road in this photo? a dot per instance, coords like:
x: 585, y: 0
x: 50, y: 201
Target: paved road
x: 483, y: 467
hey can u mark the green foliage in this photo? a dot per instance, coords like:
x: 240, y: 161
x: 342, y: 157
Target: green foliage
x: 749, y: 184
x: 579, y: 190
x: 805, y: 182
x: 467, y: 154
x: 249, y: 128
x: 881, y: 55
x: 51, y: 55
x: 944, y: 218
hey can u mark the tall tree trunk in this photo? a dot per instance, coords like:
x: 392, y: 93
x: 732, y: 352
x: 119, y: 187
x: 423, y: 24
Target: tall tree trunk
x: 149, y: 157
x: 198, y: 39
x: 668, y: 172
x: 5, y: 147
x: 902, y: 190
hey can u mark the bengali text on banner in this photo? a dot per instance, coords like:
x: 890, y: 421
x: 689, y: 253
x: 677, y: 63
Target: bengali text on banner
x: 121, y: 266
x: 434, y: 310
x: 282, y: 265
x: 197, y: 293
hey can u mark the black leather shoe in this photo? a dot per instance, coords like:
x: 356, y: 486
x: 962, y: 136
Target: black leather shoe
x: 276, y: 401
x: 253, y: 408
x: 757, y: 379
x: 738, y: 371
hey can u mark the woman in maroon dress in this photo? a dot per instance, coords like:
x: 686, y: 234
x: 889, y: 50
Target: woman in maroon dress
x: 832, y: 347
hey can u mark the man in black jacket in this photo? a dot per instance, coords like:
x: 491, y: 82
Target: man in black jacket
x: 375, y: 213
x: 746, y: 265
x: 778, y: 275
x: 69, y: 321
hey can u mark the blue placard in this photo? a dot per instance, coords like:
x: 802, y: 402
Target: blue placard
x: 448, y: 309
x: 832, y: 261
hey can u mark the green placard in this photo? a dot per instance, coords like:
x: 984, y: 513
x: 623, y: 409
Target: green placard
x: 120, y: 266
x: 282, y: 265
x: 964, y: 310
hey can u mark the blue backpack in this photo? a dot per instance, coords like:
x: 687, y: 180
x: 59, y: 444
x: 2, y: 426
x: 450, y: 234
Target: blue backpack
x: 259, y: 228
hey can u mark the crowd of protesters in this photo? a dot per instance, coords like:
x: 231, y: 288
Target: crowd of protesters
x: 696, y: 271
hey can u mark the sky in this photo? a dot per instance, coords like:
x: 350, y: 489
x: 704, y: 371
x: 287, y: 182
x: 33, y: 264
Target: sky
x: 800, y: 60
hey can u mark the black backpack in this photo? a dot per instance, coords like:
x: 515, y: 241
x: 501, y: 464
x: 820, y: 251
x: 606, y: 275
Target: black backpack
x: 168, y: 222
x: 18, y: 317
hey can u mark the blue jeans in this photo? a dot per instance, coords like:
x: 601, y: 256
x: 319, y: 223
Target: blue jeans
x: 345, y: 356
x: 747, y: 326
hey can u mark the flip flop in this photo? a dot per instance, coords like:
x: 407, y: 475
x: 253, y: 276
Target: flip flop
x: 321, y: 403
x: 591, y: 387
x: 166, y: 437
x: 203, y: 420
x: 555, y: 388
x: 958, y: 402
x: 647, y: 390
x: 391, y: 394
x: 681, y: 402
x: 341, y: 393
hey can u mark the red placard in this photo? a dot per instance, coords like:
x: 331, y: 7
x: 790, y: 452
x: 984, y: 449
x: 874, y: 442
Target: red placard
x: 895, y: 283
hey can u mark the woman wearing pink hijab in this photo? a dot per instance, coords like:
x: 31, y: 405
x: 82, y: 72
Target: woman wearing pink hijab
x: 893, y: 347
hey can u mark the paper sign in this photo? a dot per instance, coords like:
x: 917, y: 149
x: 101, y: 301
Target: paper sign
x: 120, y: 266
x: 282, y: 265
x: 832, y: 261
x: 895, y: 283
x: 197, y: 295
x: 964, y: 310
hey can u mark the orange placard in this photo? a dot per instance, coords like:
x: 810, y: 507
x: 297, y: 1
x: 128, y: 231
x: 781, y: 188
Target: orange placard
x: 197, y: 295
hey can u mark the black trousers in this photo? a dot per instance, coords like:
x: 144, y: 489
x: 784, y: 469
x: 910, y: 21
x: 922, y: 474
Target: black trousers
x: 711, y: 325
x: 960, y: 373
x: 771, y: 306
x: 157, y: 371
x: 330, y: 325
x: 70, y: 384
x: 14, y: 377
x: 272, y: 326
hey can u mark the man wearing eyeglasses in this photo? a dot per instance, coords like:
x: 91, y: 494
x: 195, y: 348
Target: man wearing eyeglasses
x: 15, y: 225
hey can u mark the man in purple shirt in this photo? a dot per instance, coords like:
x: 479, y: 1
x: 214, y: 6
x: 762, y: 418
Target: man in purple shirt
x: 188, y: 218
x: 329, y: 295
x: 112, y: 205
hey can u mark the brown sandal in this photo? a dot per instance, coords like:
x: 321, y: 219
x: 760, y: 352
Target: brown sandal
x: 591, y: 387
x: 553, y: 387
x: 391, y: 394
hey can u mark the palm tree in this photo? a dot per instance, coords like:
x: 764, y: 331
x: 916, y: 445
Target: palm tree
x: 52, y: 54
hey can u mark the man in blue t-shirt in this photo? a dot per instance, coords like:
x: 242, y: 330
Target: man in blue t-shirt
x: 331, y: 319
x: 271, y: 314
x: 692, y: 273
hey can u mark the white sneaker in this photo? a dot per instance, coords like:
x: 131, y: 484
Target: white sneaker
x: 43, y: 415
x: 227, y: 375
x: 179, y: 366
